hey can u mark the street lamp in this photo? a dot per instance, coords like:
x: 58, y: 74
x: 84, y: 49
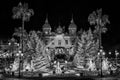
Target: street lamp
x: 109, y: 53
x: 116, y: 54
x: 109, y: 57
x: 20, y: 54
x: 102, y: 53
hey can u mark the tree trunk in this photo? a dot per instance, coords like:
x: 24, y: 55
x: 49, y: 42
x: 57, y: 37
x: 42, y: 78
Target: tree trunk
x: 22, y: 32
x: 21, y: 39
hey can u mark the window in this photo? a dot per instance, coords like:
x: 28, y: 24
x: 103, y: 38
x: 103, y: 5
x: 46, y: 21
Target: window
x: 66, y: 41
x: 52, y: 43
x: 59, y: 42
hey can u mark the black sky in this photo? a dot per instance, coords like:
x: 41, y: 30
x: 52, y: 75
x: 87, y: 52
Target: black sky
x: 60, y: 12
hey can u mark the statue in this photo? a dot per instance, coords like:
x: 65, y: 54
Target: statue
x: 58, y: 67
x: 91, y: 65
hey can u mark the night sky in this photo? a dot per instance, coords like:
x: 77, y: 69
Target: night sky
x: 60, y: 12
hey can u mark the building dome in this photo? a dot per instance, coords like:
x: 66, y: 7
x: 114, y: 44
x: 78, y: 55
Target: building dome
x: 72, y: 25
x: 59, y: 29
x: 46, y: 26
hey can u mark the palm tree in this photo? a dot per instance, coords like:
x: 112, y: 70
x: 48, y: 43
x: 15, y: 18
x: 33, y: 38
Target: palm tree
x: 22, y: 12
x: 96, y: 18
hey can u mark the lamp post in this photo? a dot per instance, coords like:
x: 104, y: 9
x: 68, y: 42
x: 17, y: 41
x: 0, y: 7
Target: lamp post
x: 116, y: 54
x: 98, y: 55
x: 22, y: 12
x: 110, y: 56
x: 101, y: 57
x: 20, y: 54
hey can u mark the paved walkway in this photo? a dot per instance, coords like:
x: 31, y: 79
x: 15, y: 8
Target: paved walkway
x: 80, y: 78
x: 61, y: 78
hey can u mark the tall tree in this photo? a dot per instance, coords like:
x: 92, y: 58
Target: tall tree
x: 22, y: 12
x: 96, y: 18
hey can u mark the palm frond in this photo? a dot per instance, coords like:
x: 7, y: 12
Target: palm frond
x: 92, y: 18
x: 22, y: 11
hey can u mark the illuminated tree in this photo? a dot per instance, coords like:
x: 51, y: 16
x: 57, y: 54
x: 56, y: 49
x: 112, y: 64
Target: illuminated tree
x: 91, y: 45
x: 33, y: 38
x: 87, y: 47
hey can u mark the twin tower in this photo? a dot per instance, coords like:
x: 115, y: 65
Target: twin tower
x: 47, y: 28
